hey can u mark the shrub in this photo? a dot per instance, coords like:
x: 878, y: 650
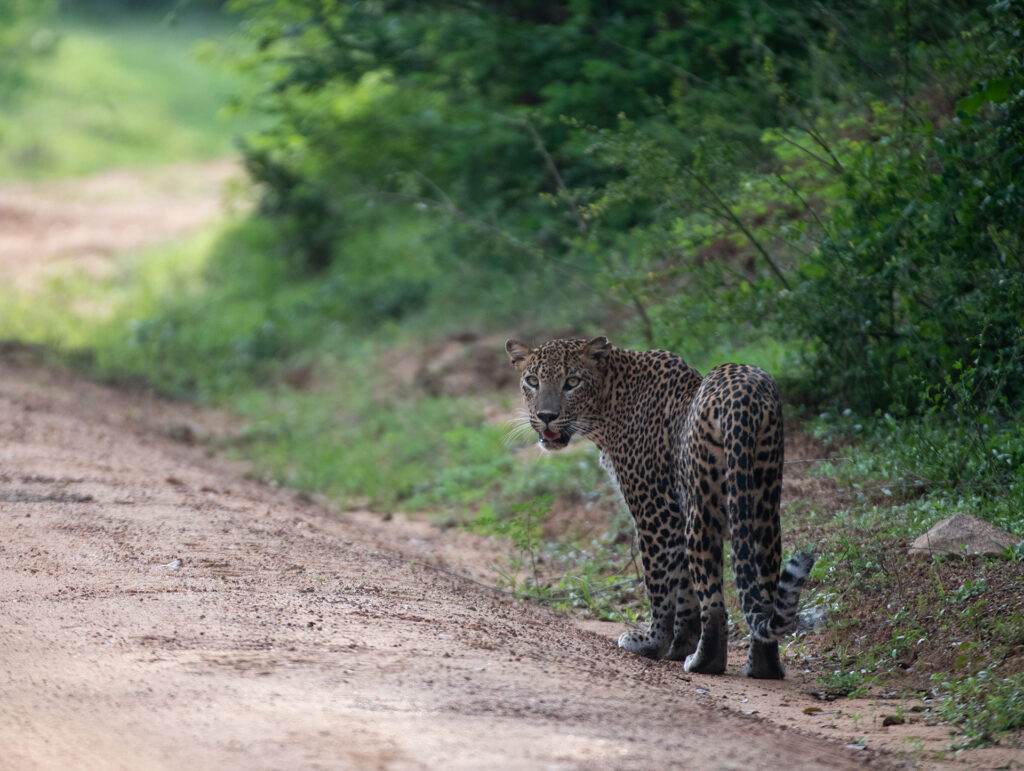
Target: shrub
x: 21, y: 39
x: 922, y: 267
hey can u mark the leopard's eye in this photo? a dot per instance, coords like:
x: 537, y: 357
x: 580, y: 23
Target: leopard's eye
x: 532, y: 381
x: 571, y: 383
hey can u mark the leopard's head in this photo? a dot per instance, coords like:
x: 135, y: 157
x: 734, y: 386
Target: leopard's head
x: 562, y: 386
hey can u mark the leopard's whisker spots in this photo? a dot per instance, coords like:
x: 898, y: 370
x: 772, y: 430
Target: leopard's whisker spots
x: 580, y: 427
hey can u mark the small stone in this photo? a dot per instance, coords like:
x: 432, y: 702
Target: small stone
x: 962, y: 534
x: 188, y: 432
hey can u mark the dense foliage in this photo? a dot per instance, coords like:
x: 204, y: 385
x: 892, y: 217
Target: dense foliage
x: 841, y: 177
x: 460, y: 107
x: 920, y: 271
x: 21, y: 39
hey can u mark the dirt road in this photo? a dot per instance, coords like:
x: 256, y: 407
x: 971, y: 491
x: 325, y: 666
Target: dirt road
x: 159, y: 611
x: 47, y: 227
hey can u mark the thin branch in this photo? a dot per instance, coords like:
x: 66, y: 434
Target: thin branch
x: 725, y: 209
x: 801, y: 199
x: 642, y: 312
x: 669, y: 66
x: 834, y: 164
x: 905, y: 96
x: 453, y: 210
x: 818, y: 138
x: 437, y: 189
x: 816, y: 460
x: 567, y: 268
x: 549, y: 162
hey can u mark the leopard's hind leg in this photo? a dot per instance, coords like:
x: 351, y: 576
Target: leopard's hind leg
x: 754, y: 455
x: 704, y: 531
x: 686, y: 630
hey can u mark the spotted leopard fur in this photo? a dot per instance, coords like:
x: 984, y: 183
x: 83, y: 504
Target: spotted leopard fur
x: 694, y: 458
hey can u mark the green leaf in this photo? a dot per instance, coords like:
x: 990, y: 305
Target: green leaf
x: 813, y: 270
x: 996, y: 92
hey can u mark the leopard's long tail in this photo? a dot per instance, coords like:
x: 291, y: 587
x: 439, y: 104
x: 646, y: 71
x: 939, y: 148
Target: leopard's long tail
x: 782, y: 621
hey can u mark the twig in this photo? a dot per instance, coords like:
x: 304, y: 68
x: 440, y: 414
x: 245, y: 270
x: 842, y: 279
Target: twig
x: 437, y: 189
x: 642, y: 312
x: 670, y: 66
x: 725, y: 209
x: 834, y: 165
x: 538, y: 142
x: 814, y: 460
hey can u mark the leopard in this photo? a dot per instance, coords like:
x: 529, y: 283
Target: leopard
x: 696, y: 458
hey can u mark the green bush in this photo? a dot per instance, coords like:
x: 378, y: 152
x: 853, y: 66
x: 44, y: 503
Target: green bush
x: 486, y: 113
x: 879, y: 235
x: 22, y: 38
x: 985, y: 706
x: 922, y: 266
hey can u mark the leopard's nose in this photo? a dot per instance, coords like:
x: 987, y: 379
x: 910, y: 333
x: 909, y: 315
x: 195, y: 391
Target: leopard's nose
x: 547, y: 417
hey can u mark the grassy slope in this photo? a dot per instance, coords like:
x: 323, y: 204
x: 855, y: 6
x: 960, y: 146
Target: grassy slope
x: 125, y: 89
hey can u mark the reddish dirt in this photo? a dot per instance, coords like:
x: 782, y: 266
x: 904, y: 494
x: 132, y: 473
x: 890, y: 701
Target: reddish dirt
x: 161, y: 611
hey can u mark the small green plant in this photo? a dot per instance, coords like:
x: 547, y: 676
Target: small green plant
x: 1010, y: 630
x: 984, y: 705
x: 969, y: 589
x: 853, y: 683
x: 525, y: 527
x: 595, y: 578
x: 1015, y: 552
x: 912, y: 746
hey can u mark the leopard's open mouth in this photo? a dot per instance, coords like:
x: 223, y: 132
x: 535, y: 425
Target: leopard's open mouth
x: 554, y: 440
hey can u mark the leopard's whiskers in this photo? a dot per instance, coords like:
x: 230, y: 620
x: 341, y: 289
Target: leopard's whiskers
x: 518, y: 428
x: 580, y: 426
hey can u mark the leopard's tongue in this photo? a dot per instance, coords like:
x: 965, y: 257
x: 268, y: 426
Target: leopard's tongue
x: 548, y: 434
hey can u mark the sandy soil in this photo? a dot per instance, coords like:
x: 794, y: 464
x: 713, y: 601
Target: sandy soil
x: 45, y: 227
x: 158, y: 609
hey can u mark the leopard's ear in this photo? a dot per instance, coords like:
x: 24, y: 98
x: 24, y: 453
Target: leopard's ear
x: 597, y: 348
x: 518, y: 353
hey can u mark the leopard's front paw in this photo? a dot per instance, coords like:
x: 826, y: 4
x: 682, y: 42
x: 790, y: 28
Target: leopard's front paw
x: 712, y: 650
x: 682, y: 646
x: 642, y: 641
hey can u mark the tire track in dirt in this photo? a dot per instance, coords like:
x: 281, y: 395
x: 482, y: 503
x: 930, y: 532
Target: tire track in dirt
x: 158, y: 610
